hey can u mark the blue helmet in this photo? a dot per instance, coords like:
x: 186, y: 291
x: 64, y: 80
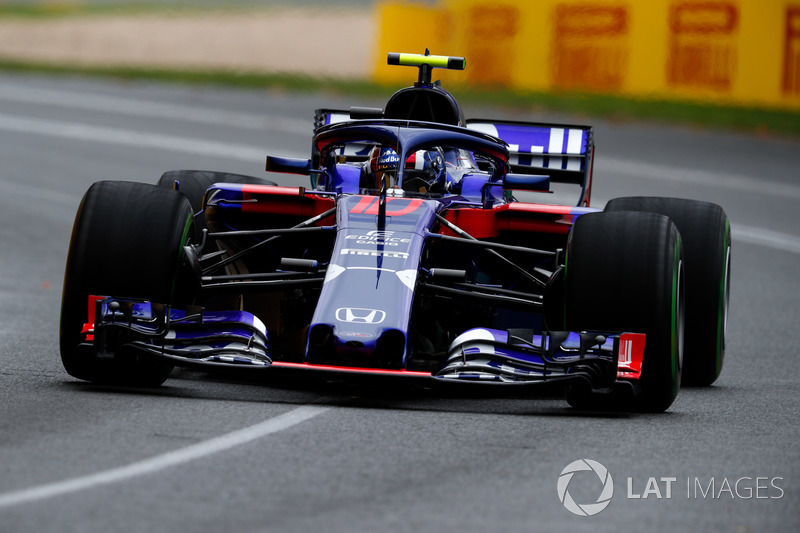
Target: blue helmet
x: 383, y: 162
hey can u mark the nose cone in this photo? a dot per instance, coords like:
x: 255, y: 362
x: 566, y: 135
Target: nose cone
x: 365, y: 305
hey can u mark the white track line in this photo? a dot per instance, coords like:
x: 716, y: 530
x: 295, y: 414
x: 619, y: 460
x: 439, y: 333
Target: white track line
x: 139, y: 107
x: 167, y: 460
x: 203, y: 147
x: 721, y: 180
x: 144, y: 108
x: 118, y: 136
x: 764, y: 237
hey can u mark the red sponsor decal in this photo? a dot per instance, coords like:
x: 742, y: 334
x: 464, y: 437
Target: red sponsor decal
x: 271, y: 189
x: 277, y: 200
x: 516, y: 216
x: 592, y: 20
x: 631, y: 355
x: 702, y: 49
x: 590, y: 46
x: 703, y: 18
x: 88, y: 327
x: 353, y: 370
x: 493, y: 27
x: 370, y: 205
x: 791, y: 57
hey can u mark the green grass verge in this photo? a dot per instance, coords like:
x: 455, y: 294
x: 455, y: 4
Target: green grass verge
x: 586, y: 106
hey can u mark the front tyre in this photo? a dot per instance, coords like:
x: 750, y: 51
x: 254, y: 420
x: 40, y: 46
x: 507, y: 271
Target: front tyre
x: 127, y: 241
x: 706, y: 234
x: 193, y: 184
x: 624, y: 272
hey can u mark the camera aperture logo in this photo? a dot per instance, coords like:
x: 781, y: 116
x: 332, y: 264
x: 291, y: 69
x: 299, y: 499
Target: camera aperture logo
x: 585, y: 509
x: 584, y: 499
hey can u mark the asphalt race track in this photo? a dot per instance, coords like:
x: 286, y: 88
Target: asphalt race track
x: 210, y: 453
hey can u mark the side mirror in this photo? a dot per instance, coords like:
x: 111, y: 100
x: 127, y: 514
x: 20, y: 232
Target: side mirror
x: 526, y: 182
x: 288, y: 165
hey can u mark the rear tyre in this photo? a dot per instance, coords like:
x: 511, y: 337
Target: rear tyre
x: 193, y: 184
x: 624, y: 273
x: 127, y: 241
x: 706, y: 234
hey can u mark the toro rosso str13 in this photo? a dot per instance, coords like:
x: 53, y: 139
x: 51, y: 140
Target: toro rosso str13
x: 426, y: 245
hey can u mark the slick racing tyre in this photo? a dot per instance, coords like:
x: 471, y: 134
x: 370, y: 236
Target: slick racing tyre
x: 127, y: 241
x: 194, y: 184
x: 624, y: 272
x: 706, y: 234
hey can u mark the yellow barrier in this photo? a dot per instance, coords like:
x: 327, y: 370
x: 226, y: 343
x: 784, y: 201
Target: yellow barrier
x: 743, y: 52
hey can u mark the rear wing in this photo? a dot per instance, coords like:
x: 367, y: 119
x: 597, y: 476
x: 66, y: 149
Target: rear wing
x: 354, y: 151
x: 323, y: 117
x: 562, y: 152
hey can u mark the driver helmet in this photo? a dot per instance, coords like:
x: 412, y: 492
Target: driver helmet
x: 383, y: 163
x: 425, y: 172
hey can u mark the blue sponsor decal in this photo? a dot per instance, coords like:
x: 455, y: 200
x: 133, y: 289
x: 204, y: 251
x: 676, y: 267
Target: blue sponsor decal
x: 537, y: 146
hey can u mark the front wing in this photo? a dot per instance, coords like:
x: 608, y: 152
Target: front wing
x: 194, y: 338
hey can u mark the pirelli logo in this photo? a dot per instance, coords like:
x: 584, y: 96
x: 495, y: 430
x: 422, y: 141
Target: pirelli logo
x: 791, y: 62
x: 375, y: 253
x: 590, y: 46
x: 493, y: 27
x: 702, y: 45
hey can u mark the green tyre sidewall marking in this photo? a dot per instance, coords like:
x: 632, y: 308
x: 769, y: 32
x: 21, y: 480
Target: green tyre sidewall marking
x: 723, y: 298
x: 184, y: 241
x: 676, y: 339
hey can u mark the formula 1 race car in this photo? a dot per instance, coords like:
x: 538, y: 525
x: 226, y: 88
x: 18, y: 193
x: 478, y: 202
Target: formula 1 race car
x: 410, y: 254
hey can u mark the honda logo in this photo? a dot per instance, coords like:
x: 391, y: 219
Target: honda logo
x: 362, y: 316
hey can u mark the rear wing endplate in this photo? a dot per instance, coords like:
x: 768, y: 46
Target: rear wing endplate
x: 323, y: 117
x: 563, y: 152
x: 353, y: 151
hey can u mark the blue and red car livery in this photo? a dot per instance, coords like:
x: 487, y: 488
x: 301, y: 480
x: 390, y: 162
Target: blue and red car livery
x: 455, y: 266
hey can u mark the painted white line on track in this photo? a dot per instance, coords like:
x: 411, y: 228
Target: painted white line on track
x: 638, y: 169
x: 137, y: 107
x: 764, y: 237
x: 118, y: 136
x: 167, y: 460
x: 40, y: 194
x: 144, y: 108
x: 748, y: 184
